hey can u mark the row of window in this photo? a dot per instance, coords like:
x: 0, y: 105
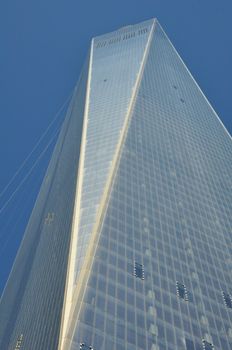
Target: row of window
x: 118, y: 39
x: 207, y: 345
x: 83, y: 346
x: 142, y: 31
x: 227, y: 299
x: 114, y: 40
x: 181, y: 289
x: 189, y: 345
x: 128, y: 36
x: 19, y: 342
x: 138, y: 270
x: 101, y: 44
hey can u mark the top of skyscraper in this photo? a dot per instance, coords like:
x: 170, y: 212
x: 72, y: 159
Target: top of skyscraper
x: 127, y: 28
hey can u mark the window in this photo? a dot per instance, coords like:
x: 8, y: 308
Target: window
x: 227, y: 299
x: 138, y: 270
x: 207, y: 345
x: 181, y: 291
x: 83, y: 346
x: 128, y: 36
x: 114, y: 40
x: 49, y: 218
x: 142, y: 31
x: 189, y: 344
x: 19, y: 342
x: 101, y: 44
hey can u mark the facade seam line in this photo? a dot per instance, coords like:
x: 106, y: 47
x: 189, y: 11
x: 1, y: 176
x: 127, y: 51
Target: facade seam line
x: 87, y: 264
x: 208, y: 103
x: 76, y: 217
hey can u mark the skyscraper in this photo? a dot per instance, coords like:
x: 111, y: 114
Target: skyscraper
x: 129, y: 243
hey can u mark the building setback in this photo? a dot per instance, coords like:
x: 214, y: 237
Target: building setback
x: 129, y: 245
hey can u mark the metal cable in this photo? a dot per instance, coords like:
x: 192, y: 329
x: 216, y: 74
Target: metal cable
x: 35, y: 147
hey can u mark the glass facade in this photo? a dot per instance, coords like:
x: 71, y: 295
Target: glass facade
x: 160, y: 271
x: 31, y: 304
x: 111, y: 89
x: 152, y: 264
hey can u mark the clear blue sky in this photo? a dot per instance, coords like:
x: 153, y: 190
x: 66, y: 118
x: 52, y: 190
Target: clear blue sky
x: 42, y: 48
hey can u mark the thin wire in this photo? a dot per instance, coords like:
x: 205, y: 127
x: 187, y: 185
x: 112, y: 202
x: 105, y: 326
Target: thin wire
x: 29, y: 172
x: 11, y: 227
x: 36, y: 145
x: 17, y: 200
